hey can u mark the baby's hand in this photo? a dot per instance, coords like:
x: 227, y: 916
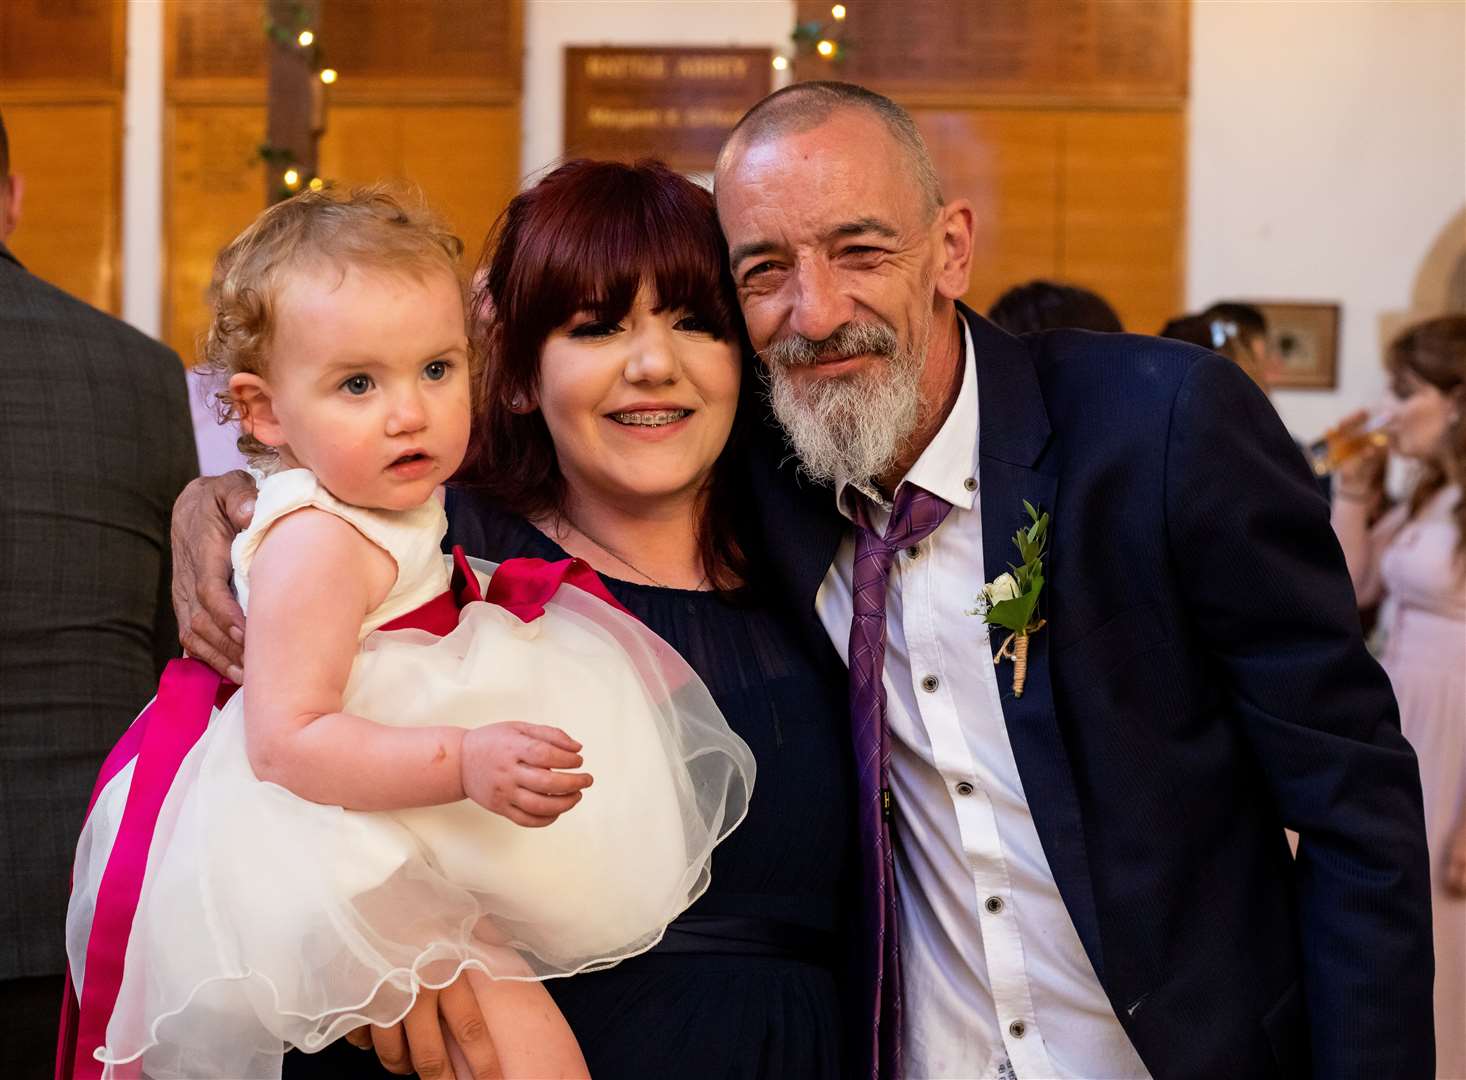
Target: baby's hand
x: 508, y: 768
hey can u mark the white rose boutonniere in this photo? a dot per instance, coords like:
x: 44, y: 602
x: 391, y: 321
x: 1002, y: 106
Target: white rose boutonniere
x: 1003, y: 587
x: 1011, y: 599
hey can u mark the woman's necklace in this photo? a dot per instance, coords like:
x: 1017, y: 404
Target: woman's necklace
x: 624, y: 561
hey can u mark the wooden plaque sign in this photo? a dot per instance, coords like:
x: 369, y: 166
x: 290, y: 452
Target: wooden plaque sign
x: 472, y: 43
x: 79, y: 42
x: 944, y: 54
x: 675, y: 103
x: 212, y: 44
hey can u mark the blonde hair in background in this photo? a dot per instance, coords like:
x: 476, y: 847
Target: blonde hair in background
x: 376, y: 228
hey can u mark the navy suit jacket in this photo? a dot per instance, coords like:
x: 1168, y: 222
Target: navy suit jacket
x: 1200, y: 685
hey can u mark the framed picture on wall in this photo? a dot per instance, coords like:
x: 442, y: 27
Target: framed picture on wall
x: 1305, y: 344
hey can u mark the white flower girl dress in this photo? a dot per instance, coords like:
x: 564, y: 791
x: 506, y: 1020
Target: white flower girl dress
x: 264, y: 919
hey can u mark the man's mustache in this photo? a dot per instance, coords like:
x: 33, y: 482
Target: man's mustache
x: 847, y: 340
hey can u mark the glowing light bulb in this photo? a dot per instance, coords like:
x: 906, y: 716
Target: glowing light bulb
x: 307, y: 38
x: 825, y: 49
x: 781, y: 63
x: 317, y: 183
x: 838, y: 11
x: 328, y: 75
x: 291, y: 178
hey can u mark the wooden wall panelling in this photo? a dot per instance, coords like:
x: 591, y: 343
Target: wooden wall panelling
x: 214, y: 85
x: 213, y: 49
x: 464, y: 158
x: 1007, y: 162
x: 438, y: 47
x: 972, y: 53
x: 61, y: 71
x: 67, y: 46
x: 1123, y: 211
x: 428, y: 94
x: 213, y: 192
x: 70, y: 220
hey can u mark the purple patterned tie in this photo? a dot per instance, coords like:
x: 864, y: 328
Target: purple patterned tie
x: 915, y: 515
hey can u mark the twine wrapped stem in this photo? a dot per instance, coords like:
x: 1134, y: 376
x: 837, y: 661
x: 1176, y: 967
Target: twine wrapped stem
x: 1015, y: 648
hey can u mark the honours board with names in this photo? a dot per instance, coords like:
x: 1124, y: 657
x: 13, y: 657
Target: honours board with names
x: 978, y: 52
x: 672, y: 103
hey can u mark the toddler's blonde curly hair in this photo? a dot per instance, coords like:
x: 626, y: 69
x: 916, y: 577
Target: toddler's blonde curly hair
x: 374, y: 227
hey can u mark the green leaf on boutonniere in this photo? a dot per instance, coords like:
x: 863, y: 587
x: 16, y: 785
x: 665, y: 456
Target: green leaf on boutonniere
x: 1015, y: 615
x: 1011, y: 599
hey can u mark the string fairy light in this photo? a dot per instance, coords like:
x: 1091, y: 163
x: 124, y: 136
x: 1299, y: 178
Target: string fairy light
x: 781, y: 63
x: 824, y: 38
x: 293, y: 30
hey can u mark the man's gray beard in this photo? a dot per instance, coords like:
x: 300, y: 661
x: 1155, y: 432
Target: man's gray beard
x: 846, y: 429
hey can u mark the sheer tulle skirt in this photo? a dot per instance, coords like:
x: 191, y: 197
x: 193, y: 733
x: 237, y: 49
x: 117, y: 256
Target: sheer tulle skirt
x: 267, y: 920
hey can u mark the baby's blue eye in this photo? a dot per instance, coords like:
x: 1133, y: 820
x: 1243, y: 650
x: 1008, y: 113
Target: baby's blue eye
x: 357, y: 385
x: 437, y: 370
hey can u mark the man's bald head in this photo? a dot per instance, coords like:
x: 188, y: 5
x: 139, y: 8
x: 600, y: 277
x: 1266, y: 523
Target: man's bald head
x: 805, y: 106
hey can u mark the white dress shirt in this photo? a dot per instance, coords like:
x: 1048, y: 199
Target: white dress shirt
x: 996, y: 983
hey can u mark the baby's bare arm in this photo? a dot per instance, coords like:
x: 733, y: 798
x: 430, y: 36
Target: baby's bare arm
x: 313, y: 580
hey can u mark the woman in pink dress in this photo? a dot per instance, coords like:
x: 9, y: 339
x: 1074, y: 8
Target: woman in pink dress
x: 1412, y: 561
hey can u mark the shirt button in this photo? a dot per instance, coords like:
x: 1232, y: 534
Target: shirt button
x: 914, y: 551
x: 994, y: 904
x: 1017, y: 1029
x: 929, y: 683
x: 970, y: 483
x: 964, y: 788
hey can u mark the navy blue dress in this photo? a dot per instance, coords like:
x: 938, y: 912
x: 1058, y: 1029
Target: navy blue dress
x: 746, y: 982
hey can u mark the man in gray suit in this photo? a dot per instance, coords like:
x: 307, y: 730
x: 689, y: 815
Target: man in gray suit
x: 95, y: 444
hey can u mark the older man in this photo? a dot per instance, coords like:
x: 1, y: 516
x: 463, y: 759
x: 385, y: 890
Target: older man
x: 1089, y: 878
x: 1092, y: 875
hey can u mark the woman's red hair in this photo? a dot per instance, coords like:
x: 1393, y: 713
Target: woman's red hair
x: 586, y: 238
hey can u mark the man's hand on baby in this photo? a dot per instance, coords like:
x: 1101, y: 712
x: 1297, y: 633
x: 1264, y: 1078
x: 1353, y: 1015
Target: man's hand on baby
x: 206, y: 517
x: 510, y: 769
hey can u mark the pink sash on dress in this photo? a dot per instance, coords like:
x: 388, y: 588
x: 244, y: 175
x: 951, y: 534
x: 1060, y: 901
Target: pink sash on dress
x: 161, y: 737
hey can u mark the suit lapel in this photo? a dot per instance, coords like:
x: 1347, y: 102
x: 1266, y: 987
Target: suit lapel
x: 800, y: 525
x: 1014, y: 430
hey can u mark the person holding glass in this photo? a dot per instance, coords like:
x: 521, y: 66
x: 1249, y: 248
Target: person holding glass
x: 1412, y: 561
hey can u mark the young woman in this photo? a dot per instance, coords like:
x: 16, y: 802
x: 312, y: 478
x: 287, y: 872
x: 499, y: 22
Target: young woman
x: 1413, y: 563
x: 616, y: 398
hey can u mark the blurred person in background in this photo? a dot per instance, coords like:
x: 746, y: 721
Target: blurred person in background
x: 1222, y: 336
x: 1240, y: 342
x: 1249, y: 326
x: 1052, y: 305
x: 1413, y: 562
x: 95, y: 444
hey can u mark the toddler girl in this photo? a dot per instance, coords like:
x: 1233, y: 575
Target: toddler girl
x: 380, y: 807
